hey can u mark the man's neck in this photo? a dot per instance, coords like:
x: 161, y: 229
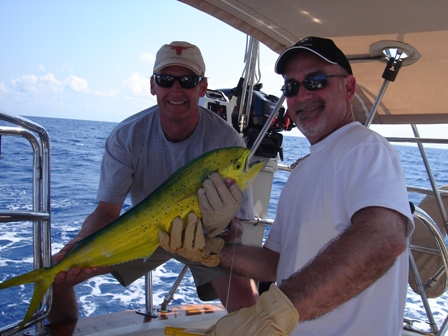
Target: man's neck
x: 178, y: 131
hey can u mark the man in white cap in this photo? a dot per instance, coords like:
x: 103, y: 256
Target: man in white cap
x: 141, y: 153
x: 337, y: 249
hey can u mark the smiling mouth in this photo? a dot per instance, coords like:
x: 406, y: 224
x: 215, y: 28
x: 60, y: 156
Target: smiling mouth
x: 174, y: 102
x: 309, y: 108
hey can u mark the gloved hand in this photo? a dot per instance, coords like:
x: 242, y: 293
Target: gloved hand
x: 273, y: 314
x: 218, y: 203
x: 193, y: 245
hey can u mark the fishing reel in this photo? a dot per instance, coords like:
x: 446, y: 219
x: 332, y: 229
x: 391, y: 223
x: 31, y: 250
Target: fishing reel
x: 250, y: 124
x: 226, y: 102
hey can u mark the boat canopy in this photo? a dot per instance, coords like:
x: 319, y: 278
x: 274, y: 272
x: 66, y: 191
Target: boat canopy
x: 365, y: 30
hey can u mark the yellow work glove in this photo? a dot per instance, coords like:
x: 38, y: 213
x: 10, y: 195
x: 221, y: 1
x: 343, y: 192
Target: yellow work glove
x: 218, y: 204
x: 192, y: 244
x: 273, y: 314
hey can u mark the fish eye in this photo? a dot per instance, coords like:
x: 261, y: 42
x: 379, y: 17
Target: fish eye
x: 237, y: 165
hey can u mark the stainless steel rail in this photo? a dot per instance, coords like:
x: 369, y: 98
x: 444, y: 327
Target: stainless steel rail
x: 40, y: 213
x: 443, y: 252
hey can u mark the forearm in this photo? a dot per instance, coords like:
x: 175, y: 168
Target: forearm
x: 103, y: 214
x: 253, y: 262
x: 346, y: 267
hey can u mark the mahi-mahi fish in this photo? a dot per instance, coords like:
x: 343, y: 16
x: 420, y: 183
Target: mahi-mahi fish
x: 134, y: 235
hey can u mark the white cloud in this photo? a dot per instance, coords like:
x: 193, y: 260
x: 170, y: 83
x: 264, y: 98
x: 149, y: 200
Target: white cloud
x: 108, y: 93
x: 49, y: 82
x: 3, y: 88
x: 77, y: 84
x: 147, y: 58
x: 67, y: 68
x: 138, y: 85
x: 41, y: 68
x: 25, y: 84
x: 32, y: 84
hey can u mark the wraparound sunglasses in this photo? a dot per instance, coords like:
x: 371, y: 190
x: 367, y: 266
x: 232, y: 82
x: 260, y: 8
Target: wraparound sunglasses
x: 313, y: 83
x: 185, y: 82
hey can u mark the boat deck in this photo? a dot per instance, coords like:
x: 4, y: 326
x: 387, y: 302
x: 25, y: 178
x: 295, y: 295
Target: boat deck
x: 129, y: 322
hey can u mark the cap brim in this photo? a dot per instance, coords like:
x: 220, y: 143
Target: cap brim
x: 167, y: 63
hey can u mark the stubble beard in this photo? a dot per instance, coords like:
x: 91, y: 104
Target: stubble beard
x: 310, y: 126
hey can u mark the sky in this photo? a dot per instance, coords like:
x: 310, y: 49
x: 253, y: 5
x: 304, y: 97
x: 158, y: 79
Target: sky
x: 92, y: 59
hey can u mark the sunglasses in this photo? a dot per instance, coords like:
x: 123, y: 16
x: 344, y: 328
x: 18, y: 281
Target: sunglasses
x: 312, y: 83
x: 185, y: 82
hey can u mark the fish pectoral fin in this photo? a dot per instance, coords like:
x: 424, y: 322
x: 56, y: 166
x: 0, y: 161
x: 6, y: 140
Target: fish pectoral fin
x: 136, y: 251
x: 192, y: 194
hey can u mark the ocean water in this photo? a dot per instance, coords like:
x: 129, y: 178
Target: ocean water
x: 76, y: 151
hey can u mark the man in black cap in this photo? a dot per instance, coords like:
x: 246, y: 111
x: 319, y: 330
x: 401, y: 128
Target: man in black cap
x: 337, y: 249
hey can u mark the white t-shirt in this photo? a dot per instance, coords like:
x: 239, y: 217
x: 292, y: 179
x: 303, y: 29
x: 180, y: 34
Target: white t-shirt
x: 351, y: 169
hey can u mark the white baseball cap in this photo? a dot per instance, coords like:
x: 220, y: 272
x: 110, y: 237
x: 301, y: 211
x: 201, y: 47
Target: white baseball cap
x: 182, y: 54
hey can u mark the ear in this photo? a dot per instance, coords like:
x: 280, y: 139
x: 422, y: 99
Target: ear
x: 153, y: 86
x: 350, y: 87
x: 203, y: 84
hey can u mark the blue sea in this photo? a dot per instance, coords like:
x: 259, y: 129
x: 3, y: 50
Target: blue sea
x: 76, y: 152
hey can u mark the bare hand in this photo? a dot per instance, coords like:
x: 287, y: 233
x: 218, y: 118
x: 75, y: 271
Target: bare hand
x: 73, y: 273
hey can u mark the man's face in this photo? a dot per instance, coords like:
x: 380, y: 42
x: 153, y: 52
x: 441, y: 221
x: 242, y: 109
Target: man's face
x: 320, y: 112
x: 177, y: 104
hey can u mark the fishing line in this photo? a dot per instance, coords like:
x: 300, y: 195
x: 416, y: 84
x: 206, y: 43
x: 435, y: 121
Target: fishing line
x: 231, y: 268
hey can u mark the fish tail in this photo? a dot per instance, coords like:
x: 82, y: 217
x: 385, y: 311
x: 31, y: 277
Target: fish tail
x: 42, y: 279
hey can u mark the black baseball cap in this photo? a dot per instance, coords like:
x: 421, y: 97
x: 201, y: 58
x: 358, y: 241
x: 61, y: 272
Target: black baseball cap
x: 322, y: 47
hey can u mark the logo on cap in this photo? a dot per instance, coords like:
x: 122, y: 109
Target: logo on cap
x: 306, y: 40
x: 180, y: 49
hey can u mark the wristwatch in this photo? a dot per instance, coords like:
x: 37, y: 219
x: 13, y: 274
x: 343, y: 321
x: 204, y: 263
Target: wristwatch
x: 226, y: 230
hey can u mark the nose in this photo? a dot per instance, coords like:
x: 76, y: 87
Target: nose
x: 176, y: 86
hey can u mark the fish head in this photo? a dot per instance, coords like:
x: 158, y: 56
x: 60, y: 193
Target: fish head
x: 239, y: 169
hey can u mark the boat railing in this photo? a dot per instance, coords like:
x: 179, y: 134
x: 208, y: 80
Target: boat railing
x: 423, y: 285
x: 40, y: 213
x: 436, y: 232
